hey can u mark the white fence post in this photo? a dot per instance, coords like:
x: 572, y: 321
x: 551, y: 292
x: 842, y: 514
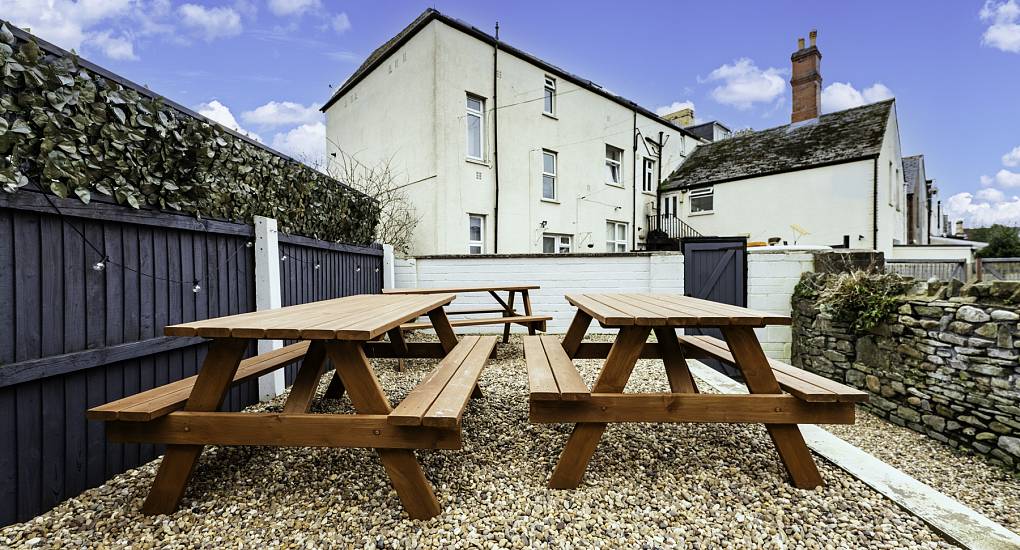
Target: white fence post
x: 388, y: 267
x: 267, y: 296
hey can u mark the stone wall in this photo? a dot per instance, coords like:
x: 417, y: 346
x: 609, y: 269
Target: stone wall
x: 945, y: 364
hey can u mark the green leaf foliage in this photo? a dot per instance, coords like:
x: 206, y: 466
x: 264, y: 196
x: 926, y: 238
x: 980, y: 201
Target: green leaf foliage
x: 862, y: 299
x: 1003, y: 241
x: 78, y: 133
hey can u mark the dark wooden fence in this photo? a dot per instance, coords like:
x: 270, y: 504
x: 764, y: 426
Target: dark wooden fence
x: 73, y: 336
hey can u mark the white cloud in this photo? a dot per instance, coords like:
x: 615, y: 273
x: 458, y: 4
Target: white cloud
x: 743, y: 84
x: 341, y: 23
x: 1012, y: 158
x: 211, y: 23
x: 115, y: 47
x: 306, y: 143
x: 1004, y: 29
x: 990, y: 195
x: 292, y: 7
x: 1005, y: 178
x: 219, y: 112
x: 842, y: 95
x: 75, y: 25
x: 674, y: 107
x: 984, y: 210
x: 281, y: 113
x: 345, y: 56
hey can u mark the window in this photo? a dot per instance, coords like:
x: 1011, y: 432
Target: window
x: 549, y: 175
x: 702, y: 201
x: 616, y: 236
x: 549, y: 103
x: 900, y: 188
x: 648, y: 182
x: 555, y: 244
x: 669, y: 205
x: 475, y: 126
x: 614, y: 165
x: 476, y: 234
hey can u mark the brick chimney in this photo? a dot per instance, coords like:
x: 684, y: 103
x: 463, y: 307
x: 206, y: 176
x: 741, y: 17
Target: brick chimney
x: 806, y: 80
x: 682, y: 118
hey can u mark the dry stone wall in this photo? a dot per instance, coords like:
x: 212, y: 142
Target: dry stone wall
x: 946, y: 364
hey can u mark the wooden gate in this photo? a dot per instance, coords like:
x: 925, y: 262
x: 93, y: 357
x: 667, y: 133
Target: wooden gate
x: 715, y: 268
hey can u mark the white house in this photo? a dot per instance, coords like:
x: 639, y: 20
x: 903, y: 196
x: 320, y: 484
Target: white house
x: 511, y: 154
x: 831, y: 179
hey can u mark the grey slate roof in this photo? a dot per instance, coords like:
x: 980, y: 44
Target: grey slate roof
x: 832, y: 138
x: 912, y: 171
x: 381, y: 53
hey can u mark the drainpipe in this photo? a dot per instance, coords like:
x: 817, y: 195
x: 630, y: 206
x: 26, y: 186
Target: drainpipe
x: 495, y: 142
x: 633, y: 181
x: 874, y: 206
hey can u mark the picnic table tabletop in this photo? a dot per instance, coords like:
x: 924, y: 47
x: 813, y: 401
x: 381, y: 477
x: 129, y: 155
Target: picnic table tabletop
x: 675, y: 310
x: 361, y: 317
x: 468, y: 288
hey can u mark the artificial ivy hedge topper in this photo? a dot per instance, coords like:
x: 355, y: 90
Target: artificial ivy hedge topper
x: 76, y: 132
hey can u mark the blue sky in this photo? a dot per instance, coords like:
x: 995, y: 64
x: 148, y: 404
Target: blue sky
x: 266, y: 65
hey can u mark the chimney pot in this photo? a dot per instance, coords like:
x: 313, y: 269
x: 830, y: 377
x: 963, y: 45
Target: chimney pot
x: 806, y: 81
x: 814, y: 36
x: 800, y: 43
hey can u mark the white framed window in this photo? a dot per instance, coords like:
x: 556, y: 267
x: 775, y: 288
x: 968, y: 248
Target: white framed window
x: 549, y: 97
x: 648, y: 179
x: 702, y: 200
x: 475, y: 117
x: 476, y: 234
x: 555, y: 244
x: 614, y: 165
x: 900, y: 189
x: 616, y: 236
x: 669, y: 206
x: 548, y: 175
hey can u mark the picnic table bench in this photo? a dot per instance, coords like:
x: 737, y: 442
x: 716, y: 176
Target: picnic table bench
x: 781, y: 396
x: 183, y: 415
x: 509, y: 315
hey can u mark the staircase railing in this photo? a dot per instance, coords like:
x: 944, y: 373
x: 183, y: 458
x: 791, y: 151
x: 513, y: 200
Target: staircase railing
x: 672, y: 226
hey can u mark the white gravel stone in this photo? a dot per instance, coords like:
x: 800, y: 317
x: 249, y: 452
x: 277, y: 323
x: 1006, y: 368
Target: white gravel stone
x: 648, y: 486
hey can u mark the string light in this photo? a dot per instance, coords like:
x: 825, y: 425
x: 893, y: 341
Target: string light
x: 317, y: 266
x: 283, y: 258
x: 197, y: 288
x: 101, y: 264
x: 357, y: 268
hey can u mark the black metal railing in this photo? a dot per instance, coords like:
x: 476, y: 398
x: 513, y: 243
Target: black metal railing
x: 672, y: 226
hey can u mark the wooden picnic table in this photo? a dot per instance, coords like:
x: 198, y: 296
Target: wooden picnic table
x: 348, y: 330
x: 509, y: 315
x: 781, y: 396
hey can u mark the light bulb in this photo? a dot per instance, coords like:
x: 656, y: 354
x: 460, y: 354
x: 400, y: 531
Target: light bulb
x: 249, y: 244
x: 196, y: 288
x: 283, y: 258
x: 357, y: 268
x: 316, y: 266
x: 99, y: 266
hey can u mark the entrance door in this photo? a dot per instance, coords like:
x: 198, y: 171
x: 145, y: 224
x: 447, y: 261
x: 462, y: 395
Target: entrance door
x: 715, y: 268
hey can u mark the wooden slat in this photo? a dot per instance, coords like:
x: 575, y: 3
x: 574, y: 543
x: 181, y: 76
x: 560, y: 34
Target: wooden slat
x: 520, y: 319
x: 448, y: 408
x: 372, y: 325
x: 642, y: 314
x: 417, y: 403
x: 803, y: 384
x: 456, y: 289
x: 623, y: 309
x: 157, y: 402
x: 598, y: 310
x: 673, y: 407
x: 568, y: 380
x: 474, y: 311
x: 541, y: 381
x: 289, y: 430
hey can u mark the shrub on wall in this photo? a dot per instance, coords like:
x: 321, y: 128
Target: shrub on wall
x: 76, y: 132
x: 862, y: 299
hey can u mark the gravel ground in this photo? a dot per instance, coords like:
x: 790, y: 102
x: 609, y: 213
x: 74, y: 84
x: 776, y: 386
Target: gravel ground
x: 967, y: 477
x: 649, y: 486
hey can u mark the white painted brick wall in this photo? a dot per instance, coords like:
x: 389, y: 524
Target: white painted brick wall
x: 771, y: 278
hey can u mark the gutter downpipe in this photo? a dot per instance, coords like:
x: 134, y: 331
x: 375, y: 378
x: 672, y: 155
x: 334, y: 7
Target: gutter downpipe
x: 658, y: 181
x: 633, y: 181
x: 495, y: 142
x: 874, y: 206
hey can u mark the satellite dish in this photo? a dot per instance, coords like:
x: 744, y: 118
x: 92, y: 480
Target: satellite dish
x: 798, y: 231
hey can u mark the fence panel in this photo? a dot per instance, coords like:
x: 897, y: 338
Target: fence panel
x: 1000, y: 269
x: 926, y: 269
x: 78, y: 335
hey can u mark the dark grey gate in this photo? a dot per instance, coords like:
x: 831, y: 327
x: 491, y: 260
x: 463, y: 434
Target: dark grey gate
x: 715, y: 268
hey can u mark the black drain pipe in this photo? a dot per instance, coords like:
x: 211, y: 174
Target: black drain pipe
x: 495, y: 142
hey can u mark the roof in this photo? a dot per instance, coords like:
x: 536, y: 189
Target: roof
x: 834, y: 138
x: 706, y: 130
x: 381, y: 53
x: 912, y: 171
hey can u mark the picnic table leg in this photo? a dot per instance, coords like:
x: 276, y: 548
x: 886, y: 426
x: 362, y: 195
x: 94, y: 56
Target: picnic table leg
x: 441, y: 324
x: 585, y: 437
x: 788, y: 440
x: 214, y: 379
x: 679, y: 375
x: 367, y: 396
x: 527, y: 310
x: 335, y: 389
x: 399, y: 344
x: 507, y: 312
x: 575, y: 334
x: 307, y: 381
